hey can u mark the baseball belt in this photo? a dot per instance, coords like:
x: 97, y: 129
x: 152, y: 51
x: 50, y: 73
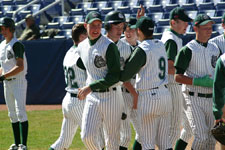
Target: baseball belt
x: 208, y: 95
x: 105, y: 90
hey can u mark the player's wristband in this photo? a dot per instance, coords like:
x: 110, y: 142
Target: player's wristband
x: 2, y: 77
x: 205, y: 81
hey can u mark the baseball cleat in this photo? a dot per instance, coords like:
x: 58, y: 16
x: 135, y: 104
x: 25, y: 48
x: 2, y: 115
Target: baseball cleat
x: 13, y: 147
x: 22, y: 147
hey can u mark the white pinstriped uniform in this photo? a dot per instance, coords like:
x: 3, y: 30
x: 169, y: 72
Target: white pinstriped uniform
x: 14, y: 90
x: 220, y: 42
x: 125, y: 133
x: 154, y: 105
x: 101, y: 108
x: 199, y: 109
x: 177, y: 98
x: 72, y: 107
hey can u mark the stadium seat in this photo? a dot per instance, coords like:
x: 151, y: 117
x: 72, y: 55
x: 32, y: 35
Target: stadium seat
x: 157, y: 35
x: 21, y: 2
x: 53, y: 25
x: 165, y: 2
x: 220, y: 6
x: 217, y: 20
x: 155, y: 8
x: 16, y: 7
x: 169, y: 7
x: 210, y: 13
x: 115, y: 4
x: 84, y: 5
x: 174, y: 1
x: 157, y: 2
x: 163, y: 22
x: 206, y: 6
x: 77, y: 11
x: 1, y: 14
x: 155, y: 16
x: 7, y: 2
x: 166, y: 15
x: 66, y: 33
x: 34, y: 8
x: 214, y: 34
x: 146, y: 3
x: 104, y: 11
x: 192, y: 13
x: 91, y: 9
x: 67, y: 25
x: 10, y: 14
x: 218, y: 28
x: 190, y: 6
x: 161, y: 29
x: 219, y: 13
x: 124, y: 9
x: 5, y: 8
x: 59, y: 37
x: 133, y: 3
x: 100, y: 4
x: 60, y: 19
x: 76, y: 19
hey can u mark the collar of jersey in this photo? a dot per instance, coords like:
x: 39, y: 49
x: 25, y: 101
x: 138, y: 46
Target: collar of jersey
x: 174, y: 32
x: 203, y: 44
x: 92, y: 42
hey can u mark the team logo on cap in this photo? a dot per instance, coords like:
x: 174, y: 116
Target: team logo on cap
x: 213, y: 61
x: 120, y: 15
x: 9, y: 55
x: 94, y: 15
x: 99, y: 61
x: 205, y: 17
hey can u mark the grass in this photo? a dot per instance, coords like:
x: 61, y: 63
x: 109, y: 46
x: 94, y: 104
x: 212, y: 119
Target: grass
x: 44, y: 129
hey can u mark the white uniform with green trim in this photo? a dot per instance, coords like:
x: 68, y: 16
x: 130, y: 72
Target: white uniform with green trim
x: 220, y: 42
x: 199, y: 109
x: 15, y: 87
x: 101, y: 108
x: 125, y: 133
x: 177, y: 98
x: 154, y: 101
x: 72, y: 107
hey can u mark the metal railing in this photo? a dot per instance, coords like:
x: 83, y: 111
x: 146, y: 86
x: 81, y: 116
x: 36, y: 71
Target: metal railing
x: 40, y: 11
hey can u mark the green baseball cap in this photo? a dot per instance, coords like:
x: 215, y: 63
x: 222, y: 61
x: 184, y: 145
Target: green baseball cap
x: 144, y: 23
x: 223, y: 18
x: 202, y: 19
x: 179, y: 13
x: 92, y: 16
x: 131, y: 21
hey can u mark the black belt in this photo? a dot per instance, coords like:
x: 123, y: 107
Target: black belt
x: 105, y: 90
x: 158, y: 87
x: 124, y: 90
x: 10, y: 79
x: 201, y: 95
x: 73, y: 95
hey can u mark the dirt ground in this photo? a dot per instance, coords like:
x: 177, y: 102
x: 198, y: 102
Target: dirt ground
x: 52, y: 107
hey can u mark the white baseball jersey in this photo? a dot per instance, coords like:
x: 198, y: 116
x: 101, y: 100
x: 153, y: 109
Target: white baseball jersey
x: 154, y: 104
x: 72, y: 107
x: 201, y: 67
x: 175, y: 90
x: 220, y: 42
x: 101, y: 108
x: 15, y: 87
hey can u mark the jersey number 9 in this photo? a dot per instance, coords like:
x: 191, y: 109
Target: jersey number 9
x: 162, y: 67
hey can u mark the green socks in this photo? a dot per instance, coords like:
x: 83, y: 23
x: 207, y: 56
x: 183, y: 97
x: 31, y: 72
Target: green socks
x: 50, y: 148
x: 137, y: 145
x: 180, y: 145
x: 16, y: 132
x: 24, y: 132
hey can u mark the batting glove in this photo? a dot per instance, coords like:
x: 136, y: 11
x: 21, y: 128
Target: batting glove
x: 205, y: 81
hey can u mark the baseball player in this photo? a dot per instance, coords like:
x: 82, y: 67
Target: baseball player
x: 149, y: 62
x: 115, y: 25
x: 220, y: 42
x: 195, y: 65
x: 13, y: 70
x: 102, y: 108
x: 75, y: 77
x: 173, y: 42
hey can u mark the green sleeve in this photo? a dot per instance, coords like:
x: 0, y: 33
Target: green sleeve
x: 113, y: 65
x: 182, y: 60
x: 134, y: 64
x: 18, y: 49
x: 171, y: 49
x: 80, y: 64
x: 219, y: 89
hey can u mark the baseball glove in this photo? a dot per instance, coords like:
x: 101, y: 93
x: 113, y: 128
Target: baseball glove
x: 218, y: 131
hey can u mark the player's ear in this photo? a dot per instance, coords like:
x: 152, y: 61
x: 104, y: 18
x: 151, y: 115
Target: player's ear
x: 195, y: 28
x: 85, y: 25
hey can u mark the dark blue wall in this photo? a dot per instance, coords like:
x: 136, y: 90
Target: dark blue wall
x: 45, y: 71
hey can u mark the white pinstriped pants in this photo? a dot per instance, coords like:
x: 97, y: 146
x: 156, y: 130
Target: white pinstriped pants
x: 125, y: 131
x: 201, y: 119
x: 101, y: 109
x: 154, y: 108
x: 72, y: 111
x: 177, y: 108
x: 15, y: 92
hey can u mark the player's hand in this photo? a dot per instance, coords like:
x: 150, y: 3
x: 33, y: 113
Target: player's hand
x: 83, y: 92
x: 2, y: 77
x: 140, y: 12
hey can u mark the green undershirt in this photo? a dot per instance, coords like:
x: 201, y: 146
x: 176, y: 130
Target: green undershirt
x: 113, y: 65
x: 219, y: 89
x: 134, y: 64
x: 18, y: 49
